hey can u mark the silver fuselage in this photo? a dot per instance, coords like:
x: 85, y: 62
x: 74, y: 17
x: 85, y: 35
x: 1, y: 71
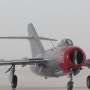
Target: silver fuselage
x: 50, y: 68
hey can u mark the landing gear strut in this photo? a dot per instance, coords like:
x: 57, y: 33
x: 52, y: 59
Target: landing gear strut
x: 13, y: 77
x: 88, y: 82
x: 70, y: 83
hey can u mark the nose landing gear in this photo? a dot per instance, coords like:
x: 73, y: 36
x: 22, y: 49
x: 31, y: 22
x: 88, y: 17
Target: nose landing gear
x: 70, y: 83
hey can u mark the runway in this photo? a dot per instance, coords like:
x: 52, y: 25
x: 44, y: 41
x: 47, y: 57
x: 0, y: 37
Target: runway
x: 29, y: 81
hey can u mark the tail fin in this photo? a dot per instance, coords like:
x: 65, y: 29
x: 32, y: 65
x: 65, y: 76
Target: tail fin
x: 36, y: 45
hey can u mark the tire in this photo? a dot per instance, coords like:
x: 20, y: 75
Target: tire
x: 88, y: 82
x: 70, y: 85
x: 14, y: 82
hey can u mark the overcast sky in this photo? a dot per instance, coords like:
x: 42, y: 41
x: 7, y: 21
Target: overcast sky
x: 52, y: 18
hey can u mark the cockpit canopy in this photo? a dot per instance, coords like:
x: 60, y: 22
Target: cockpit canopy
x: 65, y: 42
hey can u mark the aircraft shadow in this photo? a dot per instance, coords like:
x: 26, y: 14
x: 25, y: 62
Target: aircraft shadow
x: 41, y: 88
x: 49, y: 88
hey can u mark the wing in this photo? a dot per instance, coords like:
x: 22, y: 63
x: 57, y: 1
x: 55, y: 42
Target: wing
x: 23, y: 61
x: 87, y: 63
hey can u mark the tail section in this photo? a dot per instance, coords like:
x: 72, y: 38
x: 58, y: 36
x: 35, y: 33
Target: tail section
x: 34, y: 39
x: 36, y: 45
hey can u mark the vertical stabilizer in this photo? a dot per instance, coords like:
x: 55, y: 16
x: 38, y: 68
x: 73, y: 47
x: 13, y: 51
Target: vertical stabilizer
x: 36, y: 45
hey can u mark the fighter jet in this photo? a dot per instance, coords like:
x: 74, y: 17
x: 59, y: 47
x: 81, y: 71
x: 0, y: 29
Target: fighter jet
x: 65, y: 59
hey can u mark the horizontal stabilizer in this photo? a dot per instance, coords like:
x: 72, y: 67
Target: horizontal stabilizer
x: 42, y: 38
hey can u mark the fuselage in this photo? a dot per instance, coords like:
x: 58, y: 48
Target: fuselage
x: 49, y: 68
x: 59, y: 61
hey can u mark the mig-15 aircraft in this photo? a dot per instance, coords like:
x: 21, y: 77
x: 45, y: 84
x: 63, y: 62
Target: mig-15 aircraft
x: 65, y: 59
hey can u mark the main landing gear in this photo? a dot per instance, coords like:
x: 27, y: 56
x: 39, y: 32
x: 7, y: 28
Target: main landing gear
x: 70, y: 83
x: 88, y: 82
x: 13, y: 77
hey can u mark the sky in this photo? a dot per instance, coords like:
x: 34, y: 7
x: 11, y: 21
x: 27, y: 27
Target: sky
x: 57, y: 19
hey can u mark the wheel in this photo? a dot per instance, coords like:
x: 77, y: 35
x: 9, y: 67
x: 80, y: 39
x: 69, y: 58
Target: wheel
x: 70, y: 85
x: 88, y: 82
x: 45, y: 77
x: 14, y: 82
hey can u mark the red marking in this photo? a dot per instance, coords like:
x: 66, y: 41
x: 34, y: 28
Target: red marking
x: 63, y: 60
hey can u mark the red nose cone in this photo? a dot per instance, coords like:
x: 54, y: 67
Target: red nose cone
x: 70, y: 57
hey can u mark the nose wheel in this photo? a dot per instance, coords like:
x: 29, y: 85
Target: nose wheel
x: 70, y: 83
